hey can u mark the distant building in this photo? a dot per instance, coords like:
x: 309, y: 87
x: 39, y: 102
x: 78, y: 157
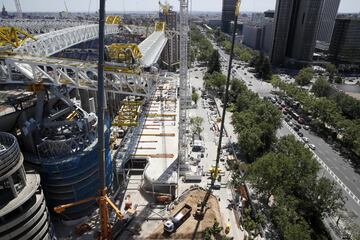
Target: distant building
x: 295, y: 30
x: 257, y: 18
x: 171, y: 52
x: 269, y: 14
x: 327, y: 20
x: 214, y: 23
x: 267, y: 36
x: 252, y: 36
x: 4, y: 13
x: 228, y: 14
x: 345, y: 41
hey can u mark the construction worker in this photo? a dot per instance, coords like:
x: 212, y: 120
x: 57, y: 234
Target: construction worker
x: 227, y: 228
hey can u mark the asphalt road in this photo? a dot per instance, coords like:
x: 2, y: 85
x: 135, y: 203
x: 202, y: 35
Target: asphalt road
x: 340, y: 166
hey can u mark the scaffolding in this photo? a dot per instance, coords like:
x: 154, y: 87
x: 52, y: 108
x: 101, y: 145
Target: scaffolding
x: 128, y: 115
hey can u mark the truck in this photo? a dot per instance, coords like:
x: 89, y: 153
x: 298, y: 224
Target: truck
x: 179, y: 218
x: 192, y: 178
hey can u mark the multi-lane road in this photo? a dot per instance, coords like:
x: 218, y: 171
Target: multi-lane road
x: 342, y: 171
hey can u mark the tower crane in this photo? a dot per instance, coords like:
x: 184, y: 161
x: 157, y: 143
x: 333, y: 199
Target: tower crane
x: 18, y: 9
x: 165, y: 7
x: 183, y: 85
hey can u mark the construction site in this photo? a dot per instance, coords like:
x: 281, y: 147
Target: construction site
x: 94, y: 130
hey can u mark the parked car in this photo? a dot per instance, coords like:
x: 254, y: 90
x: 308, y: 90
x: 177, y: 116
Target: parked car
x: 305, y: 139
x: 300, y: 134
x: 311, y: 146
x: 306, y: 127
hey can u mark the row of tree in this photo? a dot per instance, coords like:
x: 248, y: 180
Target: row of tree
x: 200, y: 47
x: 262, y: 66
x: 254, y: 120
x: 240, y: 53
x: 288, y: 176
x: 282, y: 171
x: 328, y: 113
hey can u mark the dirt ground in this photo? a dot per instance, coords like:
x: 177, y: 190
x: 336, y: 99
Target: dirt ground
x: 191, y: 228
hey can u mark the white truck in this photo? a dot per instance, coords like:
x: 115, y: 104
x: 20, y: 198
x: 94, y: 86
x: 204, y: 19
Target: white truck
x: 179, y: 218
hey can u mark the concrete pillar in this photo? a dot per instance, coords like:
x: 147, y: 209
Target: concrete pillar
x: 40, y: 98
x: 12, y: 187
x: 92, y: 94
x: 22, y: 175
x: 84, y: 98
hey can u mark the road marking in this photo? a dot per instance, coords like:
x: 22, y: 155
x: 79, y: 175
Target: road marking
x: 323, y: 164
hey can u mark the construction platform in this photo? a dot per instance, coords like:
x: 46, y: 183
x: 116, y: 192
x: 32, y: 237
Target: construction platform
x: 158, y: 142
x: 151, y: 147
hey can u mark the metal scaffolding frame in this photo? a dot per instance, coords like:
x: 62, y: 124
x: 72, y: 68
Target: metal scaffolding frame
x: 53, y: 42
x: 77, y: 74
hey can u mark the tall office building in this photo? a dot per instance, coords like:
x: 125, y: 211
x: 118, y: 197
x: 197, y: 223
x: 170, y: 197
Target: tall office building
x: 295, y: 30
x: 171, y: 53
x: 327, y: 20
x: 228, y: 14
x: 345, y: 41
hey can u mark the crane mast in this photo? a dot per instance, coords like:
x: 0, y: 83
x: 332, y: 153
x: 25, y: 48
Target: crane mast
x: 18, y: 9
x: 183, y: 85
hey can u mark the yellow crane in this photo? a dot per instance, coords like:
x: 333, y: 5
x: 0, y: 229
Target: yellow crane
x: 14, y: 37
x: 165, y: 7
x: 104, y: 203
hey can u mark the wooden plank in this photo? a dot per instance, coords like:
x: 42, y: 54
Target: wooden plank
x: 149, y: 148
x: 158, y: 134
x: 159, y: 155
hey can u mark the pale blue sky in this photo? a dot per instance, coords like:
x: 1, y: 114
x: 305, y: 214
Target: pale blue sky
x: 151, y: 5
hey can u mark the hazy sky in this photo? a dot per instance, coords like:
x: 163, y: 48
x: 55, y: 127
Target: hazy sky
x: 151, y: 5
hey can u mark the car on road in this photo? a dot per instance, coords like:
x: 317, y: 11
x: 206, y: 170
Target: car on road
x: 306, y: 127
x: 311, y: 146
x: 305, y: 139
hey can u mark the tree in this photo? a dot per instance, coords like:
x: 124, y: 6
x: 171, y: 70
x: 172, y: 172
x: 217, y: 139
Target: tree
x: 237, y: 88
x: 325, y: 198
x: 276, y: 81
x: 214, y: 62
x: 196, y: 125
x: 195, y: 97
x: 321, y: 87
x: 266, y: 69
x: 215, y: 82
x: 331, y: 69
x: 250, y: 142
x: 304, y: 76
x: 326, y: 111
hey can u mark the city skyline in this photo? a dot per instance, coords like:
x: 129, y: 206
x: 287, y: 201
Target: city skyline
x: 346, y: 6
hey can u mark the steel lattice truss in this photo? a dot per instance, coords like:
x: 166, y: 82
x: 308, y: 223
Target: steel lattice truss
x: 50, y: 43
x: 152, y: 47
x: 39, y: 26
x: 77, y: 74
